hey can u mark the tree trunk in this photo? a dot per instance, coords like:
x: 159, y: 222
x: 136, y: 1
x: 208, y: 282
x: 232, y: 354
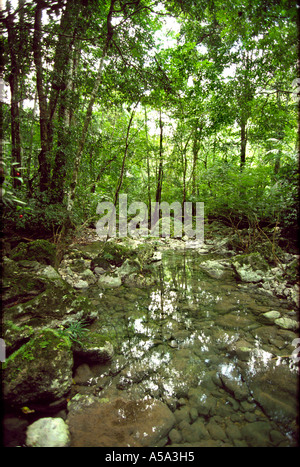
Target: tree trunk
x: 59, y: 167
x: 196, y: 148
x: 62, y: 59
x: 160, y: 169
x: 29, y: 156
x: 124, y: 157
x: 15, y: 100
x: 243, y: 142
x: 44, y: 166
x: 148, y: 166
x: 89, y: 111
x: 184, y: 168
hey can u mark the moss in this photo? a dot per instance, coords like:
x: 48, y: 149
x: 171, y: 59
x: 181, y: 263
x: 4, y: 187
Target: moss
x: 39, y: 250
x: 46, y: 339
x: 15, y: 336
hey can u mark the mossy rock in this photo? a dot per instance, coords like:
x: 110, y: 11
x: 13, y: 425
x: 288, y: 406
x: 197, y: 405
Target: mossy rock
x: 20, y: 284
x: 254, y: 260
x: 94, y: 348
x: 40, y: 370
x: 15, y: 336
x: 292, y: 272
x: 113, y: 253
x: 39, y: 250
x: 56, y: 305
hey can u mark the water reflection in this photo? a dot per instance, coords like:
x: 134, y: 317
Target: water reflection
x: 197, y: 340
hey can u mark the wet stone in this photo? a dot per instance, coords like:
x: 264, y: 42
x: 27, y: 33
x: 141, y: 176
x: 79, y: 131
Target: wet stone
x: 233, y: 432
x: 257, y: 434
x: 121, y: 423
x: 175, y: 436
x: 215, y: 431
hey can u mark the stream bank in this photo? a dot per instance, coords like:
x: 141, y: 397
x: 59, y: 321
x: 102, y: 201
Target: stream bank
x: 186, y: 345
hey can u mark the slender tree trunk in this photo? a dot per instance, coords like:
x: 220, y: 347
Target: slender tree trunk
x: 109, y: 151
x: 44, y: 166
x: 119, y: 185
x: 160, y: 169
x: 61, y: 85
x: 196, y: 148
x: 148, y: 167
x: 29, y: 156
x: 89, y: 111
x: 60, y: 76
x: 243, y: 142
x: 184, y: 168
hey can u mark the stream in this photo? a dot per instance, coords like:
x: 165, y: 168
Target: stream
x: 201, y: 347
x: 197, y: 361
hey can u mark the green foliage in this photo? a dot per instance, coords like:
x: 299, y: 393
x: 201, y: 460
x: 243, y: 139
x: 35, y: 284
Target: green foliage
x: 221, y: 81
x: 35, y: 217
x: 75, y: 331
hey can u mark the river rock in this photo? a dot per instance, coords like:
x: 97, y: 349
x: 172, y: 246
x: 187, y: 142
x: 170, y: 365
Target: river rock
x: 257, y: 434
x: 287, y: 323
x: 269, y: 317
x: 139, y: 280
x: 217, y: 269
x: 40, y: 370
x: 251, y: 267
x: 195, y: 432
x: 109, y: 281
x: 35, y: 297
x: 216, y: 431
x: 80, y: 284
x: 121, y: 423
x: 94, y: 348
x: 233, y: 383
x: 48, y: 433
x: 83, y: 374
x: 38, y: 250
x: 202, y: 401
x: 157, y: 256
x: 274, y: 387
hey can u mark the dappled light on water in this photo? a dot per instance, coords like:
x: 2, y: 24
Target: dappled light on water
x: 199, y: 345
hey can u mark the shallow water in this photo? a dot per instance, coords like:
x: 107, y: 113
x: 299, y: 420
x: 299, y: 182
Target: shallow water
x: 200, y: 345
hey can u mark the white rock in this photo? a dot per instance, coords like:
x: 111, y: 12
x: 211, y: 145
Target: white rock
x: 109, y: 281
x: 80, y: 284
x: 271, y: 315
x: 48, y: 432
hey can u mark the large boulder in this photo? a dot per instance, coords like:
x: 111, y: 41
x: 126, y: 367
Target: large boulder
x: 36, y: 297
x: 119, y: 422
x: 39, y: 371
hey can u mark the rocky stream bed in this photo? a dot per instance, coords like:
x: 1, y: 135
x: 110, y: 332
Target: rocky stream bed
x: 150, y: 343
